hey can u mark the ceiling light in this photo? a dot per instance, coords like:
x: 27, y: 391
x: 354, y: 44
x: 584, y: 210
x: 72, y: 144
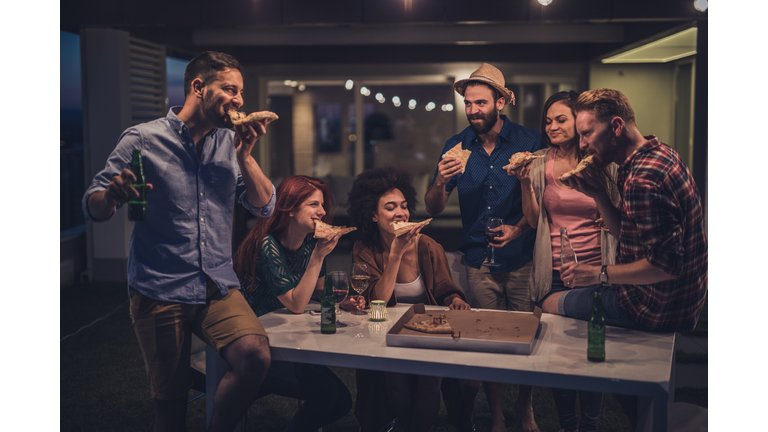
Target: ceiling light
x: 430, y: 106
x: 302, y: 87
x: 700, y: 5
x: 364, y: 91
x: 349, y: 84
x: 545, y: 2
x: 287, y: 83
x: 666, y: 49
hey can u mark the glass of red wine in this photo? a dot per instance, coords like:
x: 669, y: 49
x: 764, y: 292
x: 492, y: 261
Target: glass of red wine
x: 340, y: 283
x: 491, y: 237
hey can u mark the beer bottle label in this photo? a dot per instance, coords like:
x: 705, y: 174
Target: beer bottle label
x: 326, y: 315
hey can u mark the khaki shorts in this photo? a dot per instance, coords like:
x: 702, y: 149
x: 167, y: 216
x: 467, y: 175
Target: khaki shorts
x: 164, y: 331
x: 502, y: 291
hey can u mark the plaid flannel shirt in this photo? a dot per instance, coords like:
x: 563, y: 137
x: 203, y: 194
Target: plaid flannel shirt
x: 662, y: 221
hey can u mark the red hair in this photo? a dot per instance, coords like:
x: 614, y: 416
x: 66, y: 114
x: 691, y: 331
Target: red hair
x: 292, y: 192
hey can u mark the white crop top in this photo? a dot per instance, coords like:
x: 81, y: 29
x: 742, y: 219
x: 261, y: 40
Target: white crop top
x: 411, y: 292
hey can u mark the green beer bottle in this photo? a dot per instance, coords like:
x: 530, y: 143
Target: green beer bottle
x: 137, y: 207
x: 596, y: 331
x: 328, y: 308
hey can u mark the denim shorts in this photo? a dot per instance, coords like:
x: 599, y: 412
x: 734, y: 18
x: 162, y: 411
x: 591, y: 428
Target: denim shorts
x: 577, y: 303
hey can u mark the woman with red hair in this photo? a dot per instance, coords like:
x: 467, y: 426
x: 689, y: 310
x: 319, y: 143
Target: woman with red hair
x: 281, y: 264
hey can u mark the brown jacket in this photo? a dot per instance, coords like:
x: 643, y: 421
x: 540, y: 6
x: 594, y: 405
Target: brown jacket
x: 433, y: 267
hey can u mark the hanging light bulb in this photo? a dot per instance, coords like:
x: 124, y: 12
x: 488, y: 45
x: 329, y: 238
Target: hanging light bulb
x: 545, y: 2
x: 349, y: 84
x: 700, y: 5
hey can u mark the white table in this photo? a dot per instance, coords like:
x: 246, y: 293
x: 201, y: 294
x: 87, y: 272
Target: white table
x: 637, y: 363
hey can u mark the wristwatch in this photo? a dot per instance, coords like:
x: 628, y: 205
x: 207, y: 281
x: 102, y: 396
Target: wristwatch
x: 604, y: 276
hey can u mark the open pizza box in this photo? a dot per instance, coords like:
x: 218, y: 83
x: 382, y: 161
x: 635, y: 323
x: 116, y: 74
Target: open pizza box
x: 474, y: 330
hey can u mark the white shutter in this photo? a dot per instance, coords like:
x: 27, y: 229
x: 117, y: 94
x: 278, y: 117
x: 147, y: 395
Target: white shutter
x: 148, y: 81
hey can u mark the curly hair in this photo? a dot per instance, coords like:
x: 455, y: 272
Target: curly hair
x: 368, y: 187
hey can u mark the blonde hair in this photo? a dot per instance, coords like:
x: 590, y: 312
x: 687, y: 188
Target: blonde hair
x: 605, y: 104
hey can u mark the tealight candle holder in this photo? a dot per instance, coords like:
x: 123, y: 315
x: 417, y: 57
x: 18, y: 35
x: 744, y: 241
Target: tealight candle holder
x: 378, y: 311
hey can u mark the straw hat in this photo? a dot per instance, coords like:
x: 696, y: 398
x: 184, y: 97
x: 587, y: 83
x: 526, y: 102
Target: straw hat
x: 487, y: 74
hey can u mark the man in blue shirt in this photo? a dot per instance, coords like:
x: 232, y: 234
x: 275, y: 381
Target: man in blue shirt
x: 180, y: 274
x: 486, y: 191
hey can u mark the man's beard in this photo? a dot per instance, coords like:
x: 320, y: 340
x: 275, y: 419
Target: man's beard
x: 487, y: 124
x: 212, y: 113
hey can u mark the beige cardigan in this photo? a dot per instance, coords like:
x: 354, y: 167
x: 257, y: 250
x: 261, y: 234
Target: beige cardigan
x: 541, y: 276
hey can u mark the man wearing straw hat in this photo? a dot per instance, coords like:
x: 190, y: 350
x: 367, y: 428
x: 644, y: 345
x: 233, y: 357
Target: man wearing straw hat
x: 486, y: 191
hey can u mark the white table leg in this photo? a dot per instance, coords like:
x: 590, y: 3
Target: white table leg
x: 215, y: 368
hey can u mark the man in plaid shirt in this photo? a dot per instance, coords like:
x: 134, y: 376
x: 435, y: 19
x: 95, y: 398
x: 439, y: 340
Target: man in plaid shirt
x: 660, y: 280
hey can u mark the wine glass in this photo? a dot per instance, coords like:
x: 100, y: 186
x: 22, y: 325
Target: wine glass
x: 340, y: 283
x: 359, y: 278
x: 491, y: 235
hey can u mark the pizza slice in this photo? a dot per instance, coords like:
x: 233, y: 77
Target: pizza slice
x: 323, y: 230
x: 239, y: 118
x: 435, y: 325
x: 460, y: 154
x: 403, y: 227
x: 519, y: 159
x: 583, y: 164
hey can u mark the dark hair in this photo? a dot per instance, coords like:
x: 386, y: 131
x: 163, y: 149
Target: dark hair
x: 368, y: 187
x: 568, y: 98
x: 291, y: 192
x: 496, y: 94
x: 205, y: 66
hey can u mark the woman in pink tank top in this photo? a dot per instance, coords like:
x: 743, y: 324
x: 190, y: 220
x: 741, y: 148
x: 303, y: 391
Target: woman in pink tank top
x: 549, y: 205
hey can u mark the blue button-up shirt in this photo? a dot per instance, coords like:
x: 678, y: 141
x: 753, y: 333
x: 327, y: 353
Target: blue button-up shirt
x: 188, y: 231
x: 486, y: 190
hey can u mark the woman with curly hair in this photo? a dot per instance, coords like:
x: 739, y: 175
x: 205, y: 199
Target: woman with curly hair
x: 411, y: 268
x: 280, y: 264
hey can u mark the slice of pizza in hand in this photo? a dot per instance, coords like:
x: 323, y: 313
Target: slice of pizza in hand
x: 460, y: 154
x: 583, y: 164
x: 519, y: 159
x: 435, y: 325
x: 239, y: 118
x: 323, y: 230
x: 404, y: 227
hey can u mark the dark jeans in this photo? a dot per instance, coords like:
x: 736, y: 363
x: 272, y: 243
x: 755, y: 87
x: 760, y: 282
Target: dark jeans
x: 591, y: 404
x: 326, y: 398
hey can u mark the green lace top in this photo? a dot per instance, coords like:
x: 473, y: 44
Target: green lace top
x: 278, y: 271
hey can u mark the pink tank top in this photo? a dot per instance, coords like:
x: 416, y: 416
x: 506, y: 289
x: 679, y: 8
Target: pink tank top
x: 575, y: 211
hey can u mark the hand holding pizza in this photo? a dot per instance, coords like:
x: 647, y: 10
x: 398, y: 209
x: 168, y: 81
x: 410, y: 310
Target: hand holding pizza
x: 447, y: 168
x: 403, y: 242
x: 523, y: 173
x: 585, y: 184
x: 246, y: 135
x: 324, y: 246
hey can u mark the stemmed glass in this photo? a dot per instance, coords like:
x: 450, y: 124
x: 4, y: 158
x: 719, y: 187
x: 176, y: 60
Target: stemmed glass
x: 491, y: 235
x: 359, y: 275
x: 340, y: 283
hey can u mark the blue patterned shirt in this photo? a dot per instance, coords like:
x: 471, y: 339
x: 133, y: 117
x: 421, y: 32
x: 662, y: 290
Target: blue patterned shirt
x: 188, y: 231
x: 486, y: 190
